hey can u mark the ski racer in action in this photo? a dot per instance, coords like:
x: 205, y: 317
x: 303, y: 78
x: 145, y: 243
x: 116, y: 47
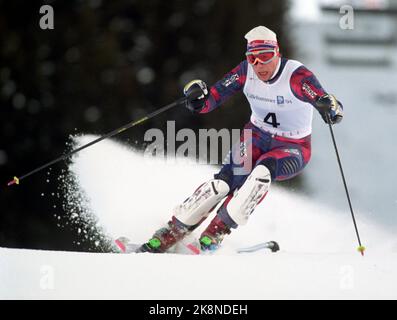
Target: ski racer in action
x: 281, y: 93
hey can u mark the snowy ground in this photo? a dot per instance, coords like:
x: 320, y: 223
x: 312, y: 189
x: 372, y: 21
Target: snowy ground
x: 287, y: 275
x: 132, y: 196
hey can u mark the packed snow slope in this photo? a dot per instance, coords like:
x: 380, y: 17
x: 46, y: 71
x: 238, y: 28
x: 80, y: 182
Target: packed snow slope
x: 132, y: 195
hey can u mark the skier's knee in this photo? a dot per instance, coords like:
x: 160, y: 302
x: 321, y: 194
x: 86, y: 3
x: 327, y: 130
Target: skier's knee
x: 226, y: 176
x: 271, y: 164
x: 251, y: 193
x: 198, y: 206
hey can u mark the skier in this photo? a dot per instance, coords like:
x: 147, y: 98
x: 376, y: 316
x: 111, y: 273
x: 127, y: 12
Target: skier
x: 281, y: 93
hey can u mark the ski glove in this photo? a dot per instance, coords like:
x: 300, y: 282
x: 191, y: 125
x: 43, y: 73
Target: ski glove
x: 196, y: 93
x: 330, y: 108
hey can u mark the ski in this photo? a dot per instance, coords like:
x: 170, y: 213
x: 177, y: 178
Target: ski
x: 272, y: 245
x: 123, y: 245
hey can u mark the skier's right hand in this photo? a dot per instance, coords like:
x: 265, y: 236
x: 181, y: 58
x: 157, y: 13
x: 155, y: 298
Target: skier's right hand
x: 196, y: 92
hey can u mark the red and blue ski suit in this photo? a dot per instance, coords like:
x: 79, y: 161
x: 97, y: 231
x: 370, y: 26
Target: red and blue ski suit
x: 284, y: 156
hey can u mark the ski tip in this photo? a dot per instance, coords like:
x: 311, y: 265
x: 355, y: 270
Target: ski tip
x: 120, y: 245
x: 12, y: 182
x: 193, y: 248
x: 361, y: 249
x: 273, y: 245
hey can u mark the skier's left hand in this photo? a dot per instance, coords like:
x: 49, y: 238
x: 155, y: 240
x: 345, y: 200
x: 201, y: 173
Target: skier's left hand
x: 330, y: 108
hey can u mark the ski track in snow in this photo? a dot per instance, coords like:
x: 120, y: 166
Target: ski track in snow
x: 132, y: 195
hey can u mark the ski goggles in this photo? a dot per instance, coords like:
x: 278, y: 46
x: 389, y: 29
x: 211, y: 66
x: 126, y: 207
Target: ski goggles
x: 261, y: 56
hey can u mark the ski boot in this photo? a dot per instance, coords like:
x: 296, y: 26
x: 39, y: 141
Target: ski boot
x: 212, y: 236
x: 166, y: 237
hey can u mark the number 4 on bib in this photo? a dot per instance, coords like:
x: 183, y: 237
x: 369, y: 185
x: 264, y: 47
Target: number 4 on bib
x: 273, y: 119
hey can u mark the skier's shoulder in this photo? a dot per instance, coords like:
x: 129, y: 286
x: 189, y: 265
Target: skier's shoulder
x: 293, y: 63
x: 298, y: 71
x: 303, y: 82
x: 237, y: 72
x: 293, y: 69
x: 236, y: 76
x: 296, y: 66
x: 241, y: 67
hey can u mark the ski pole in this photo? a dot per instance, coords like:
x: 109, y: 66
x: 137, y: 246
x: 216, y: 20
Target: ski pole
x: 361, y: 248
x: 17, y: 180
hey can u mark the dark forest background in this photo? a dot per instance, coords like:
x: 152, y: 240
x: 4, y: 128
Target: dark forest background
x: 104, y: 64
